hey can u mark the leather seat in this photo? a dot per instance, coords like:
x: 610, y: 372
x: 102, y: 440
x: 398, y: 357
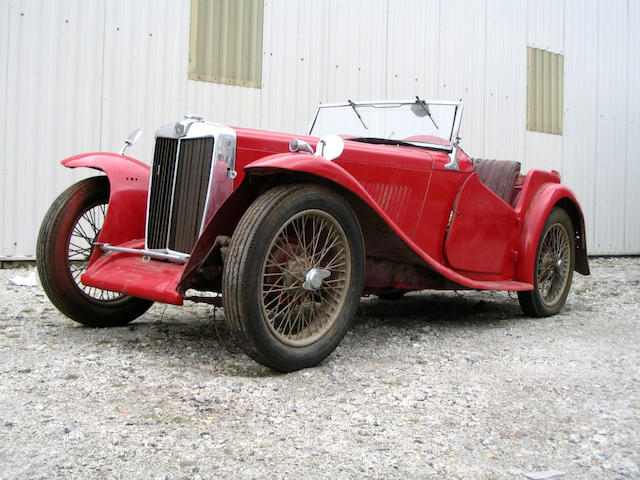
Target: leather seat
x: 499, y: 176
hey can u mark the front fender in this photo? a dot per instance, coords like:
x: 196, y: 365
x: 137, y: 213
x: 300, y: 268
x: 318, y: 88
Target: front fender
x: 224, y: 220
x: 129, y: 186
x: 313, y: 165
x: 549, y: 196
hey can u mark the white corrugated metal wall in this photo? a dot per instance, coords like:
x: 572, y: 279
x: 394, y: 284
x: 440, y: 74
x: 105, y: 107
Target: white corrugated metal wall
x: 78, y: 75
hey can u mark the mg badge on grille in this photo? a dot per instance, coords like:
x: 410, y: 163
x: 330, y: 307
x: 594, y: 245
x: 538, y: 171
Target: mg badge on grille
x: 179, y: 129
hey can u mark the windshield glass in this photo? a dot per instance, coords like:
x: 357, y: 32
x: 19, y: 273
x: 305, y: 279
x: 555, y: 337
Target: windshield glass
x: 389, y: 120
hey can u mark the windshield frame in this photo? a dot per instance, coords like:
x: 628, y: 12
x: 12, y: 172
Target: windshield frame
x: 455, y: 127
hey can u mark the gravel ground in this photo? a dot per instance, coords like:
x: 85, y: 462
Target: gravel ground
x: 435, y: 385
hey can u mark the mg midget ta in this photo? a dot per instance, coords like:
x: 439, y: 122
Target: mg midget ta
x: 288, y: 232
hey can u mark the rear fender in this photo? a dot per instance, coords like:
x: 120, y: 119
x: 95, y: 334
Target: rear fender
x: 549, y: 196
x: 129, y: 186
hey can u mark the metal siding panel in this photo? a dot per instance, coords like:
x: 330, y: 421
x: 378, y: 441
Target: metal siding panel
x: 505, y: 81
x: 543, y: 151
x: 544, y: 91
x: 224, y: 103
x: 612, y: 126
x: 53, y: 81
x: 226, y: 42
x: 306, y: 57
x: 557, y: 93
x: 4, y: 72
x: 412, y: 49
x: 357, y: 50
x: 632, y: 200
x: 295, y: 63
x: 545, y: 30
x: 462, y: 66
x: 146, y: 86
x: 581, y: 111
x: 545, y: 25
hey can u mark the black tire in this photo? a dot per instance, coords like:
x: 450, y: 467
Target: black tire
x: 553, y: 271
x: 65, y: 243
x: 293, y: 276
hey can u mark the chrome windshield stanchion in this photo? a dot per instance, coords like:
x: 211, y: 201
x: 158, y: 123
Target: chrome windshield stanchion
x: 455, y: 134
x: 453, y: 157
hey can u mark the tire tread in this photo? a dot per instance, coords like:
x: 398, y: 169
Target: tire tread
x: 234, y: 285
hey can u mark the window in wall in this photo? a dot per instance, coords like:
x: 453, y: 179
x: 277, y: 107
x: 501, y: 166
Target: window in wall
x: 225, y: 44
x: 545, y: 72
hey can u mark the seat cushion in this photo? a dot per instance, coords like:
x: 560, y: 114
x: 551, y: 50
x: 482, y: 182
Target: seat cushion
x: 499, y: 176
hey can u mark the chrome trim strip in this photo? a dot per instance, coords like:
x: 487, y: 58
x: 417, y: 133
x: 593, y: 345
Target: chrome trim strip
x: 224, y: 151
x: 432, y: 146
x: 176, y: 257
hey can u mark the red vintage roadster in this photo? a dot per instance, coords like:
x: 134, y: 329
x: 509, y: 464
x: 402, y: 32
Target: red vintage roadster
x: 288, y: 232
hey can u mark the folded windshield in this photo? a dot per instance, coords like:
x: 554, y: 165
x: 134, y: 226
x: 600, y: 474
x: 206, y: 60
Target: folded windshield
x: 416, y: 122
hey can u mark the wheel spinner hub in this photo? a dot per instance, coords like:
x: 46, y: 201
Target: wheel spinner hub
x: 314, y: 277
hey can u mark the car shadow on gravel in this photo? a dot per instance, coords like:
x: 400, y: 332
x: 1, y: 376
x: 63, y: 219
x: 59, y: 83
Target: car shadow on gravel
x: 187, y: 343
x: 191, y: 338
x: 450, y: 309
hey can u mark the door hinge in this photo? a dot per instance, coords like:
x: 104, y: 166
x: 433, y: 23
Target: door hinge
x: 453, y: 211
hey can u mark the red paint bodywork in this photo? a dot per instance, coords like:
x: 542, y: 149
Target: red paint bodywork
x: 127, y: 273
x: 124, y: 225
x: 403, y: 197
x: 129, y: 186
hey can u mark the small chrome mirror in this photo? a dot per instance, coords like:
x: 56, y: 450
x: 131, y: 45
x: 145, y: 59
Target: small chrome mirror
x: 297, y: 145
x: 330, y: 147
x: 131, y: 139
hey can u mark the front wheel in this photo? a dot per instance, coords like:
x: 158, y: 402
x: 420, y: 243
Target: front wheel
x: 65, y: 244
x: 293, y: 276
x: 555, y: 261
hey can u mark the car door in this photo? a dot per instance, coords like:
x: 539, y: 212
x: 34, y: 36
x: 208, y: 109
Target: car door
x: 482, y: 231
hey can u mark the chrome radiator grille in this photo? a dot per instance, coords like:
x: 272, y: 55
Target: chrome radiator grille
x: 178, y: 192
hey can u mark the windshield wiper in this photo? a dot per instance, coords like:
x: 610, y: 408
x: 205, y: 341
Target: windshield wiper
x: 426, y: 109
x: 353, y: 105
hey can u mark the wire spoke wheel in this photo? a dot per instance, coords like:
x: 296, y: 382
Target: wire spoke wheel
x: 553, y: 264
x: 553, y: 268
x: 65, y: 244
x: 293, y: 275
x: 296, y: 312
x: 80, y: 247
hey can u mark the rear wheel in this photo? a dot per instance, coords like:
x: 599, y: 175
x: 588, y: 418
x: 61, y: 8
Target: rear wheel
x: 293, y: 276
x: 555, y: 261
x: 65, y: 243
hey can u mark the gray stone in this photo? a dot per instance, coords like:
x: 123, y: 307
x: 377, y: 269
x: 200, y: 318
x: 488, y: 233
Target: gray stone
x: 545, y: 475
